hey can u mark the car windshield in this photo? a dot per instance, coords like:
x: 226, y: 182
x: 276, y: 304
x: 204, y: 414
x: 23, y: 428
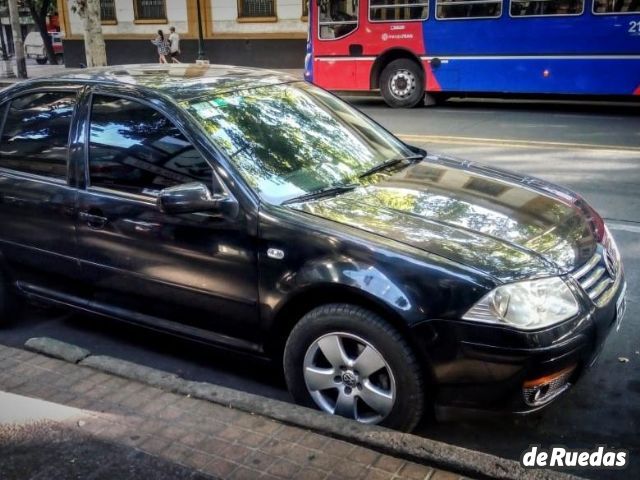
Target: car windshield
x: 288, y: 140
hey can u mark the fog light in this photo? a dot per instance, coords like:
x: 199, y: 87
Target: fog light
x: 542, y: 390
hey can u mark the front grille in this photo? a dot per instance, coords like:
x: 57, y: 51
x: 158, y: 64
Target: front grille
x: 600, y: 276
x: 540, y: 394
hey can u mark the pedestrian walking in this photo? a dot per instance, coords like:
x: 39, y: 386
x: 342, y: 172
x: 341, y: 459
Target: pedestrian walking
x: 174, y: 45
x: 162, y: 45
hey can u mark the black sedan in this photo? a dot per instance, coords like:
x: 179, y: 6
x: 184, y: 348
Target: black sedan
x: 252, y: 211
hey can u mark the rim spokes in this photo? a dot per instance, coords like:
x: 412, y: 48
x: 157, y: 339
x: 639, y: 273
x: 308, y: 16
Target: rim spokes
x: 344, y: 382
x: 320, y: 378
x: 345, y: 405
x: 368, y: 362
x: 331, y: 347
x: 379, y: 400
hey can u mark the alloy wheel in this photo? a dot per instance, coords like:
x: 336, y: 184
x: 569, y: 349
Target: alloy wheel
x: 345, y: 375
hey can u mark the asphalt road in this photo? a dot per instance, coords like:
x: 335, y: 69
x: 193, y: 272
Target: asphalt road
x: 593, y: 149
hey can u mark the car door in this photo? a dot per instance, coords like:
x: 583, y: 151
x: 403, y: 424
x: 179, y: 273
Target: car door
x: 194, y: 274
x: 37, y: 201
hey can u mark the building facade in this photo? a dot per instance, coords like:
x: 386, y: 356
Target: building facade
x: 262, y: 33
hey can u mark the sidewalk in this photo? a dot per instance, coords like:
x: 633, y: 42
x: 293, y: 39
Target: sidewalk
x: 61, y: 420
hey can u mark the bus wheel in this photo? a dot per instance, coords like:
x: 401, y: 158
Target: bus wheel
x: 402, y: 84
x: 41, y: 61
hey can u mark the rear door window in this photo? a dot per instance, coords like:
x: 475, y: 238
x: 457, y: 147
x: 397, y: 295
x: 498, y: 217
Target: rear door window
x: 35, y: 134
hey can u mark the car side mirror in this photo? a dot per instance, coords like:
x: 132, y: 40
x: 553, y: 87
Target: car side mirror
x: 196, y: 197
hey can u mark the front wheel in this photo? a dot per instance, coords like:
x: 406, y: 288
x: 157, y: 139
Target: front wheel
x: 348, y: 361
x: 402, y: 84
x: 41, y: 61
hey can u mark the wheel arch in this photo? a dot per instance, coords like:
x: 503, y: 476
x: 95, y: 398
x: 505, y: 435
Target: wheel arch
x: 387, y: 57
x: 295, y: 307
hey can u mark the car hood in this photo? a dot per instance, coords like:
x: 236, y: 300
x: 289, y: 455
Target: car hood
x: 508, y: 226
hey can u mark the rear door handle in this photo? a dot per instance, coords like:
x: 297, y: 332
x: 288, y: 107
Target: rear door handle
x: 93, y: 219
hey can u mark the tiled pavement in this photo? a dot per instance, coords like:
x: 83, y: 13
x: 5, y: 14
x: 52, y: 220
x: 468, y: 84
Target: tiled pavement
x: 194, y: 436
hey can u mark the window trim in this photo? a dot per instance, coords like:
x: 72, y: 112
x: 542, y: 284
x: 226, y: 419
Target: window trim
x: 6, y: 104
x: 496, y: 17
x: 240, y: 18
x: 141, y: 21
x: 424, y: 3
x: 593, y: 11
x: 113, y: 21
x: 87, y: 142
x: 357, y: 23
x: 548, y: 16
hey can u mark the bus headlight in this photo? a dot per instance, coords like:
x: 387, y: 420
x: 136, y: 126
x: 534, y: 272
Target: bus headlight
x: 526, y: 305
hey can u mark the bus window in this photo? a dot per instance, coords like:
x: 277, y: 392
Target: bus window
x: 337, y: 18
x: 616, y: 6
x: 398, y: 10
x: 448, y: 9
x: 537, y: 8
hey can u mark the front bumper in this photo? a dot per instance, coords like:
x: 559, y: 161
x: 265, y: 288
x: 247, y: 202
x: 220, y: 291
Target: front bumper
x: 493, y: 368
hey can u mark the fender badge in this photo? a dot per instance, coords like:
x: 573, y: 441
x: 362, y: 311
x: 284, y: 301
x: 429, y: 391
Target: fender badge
x: 275, y: 253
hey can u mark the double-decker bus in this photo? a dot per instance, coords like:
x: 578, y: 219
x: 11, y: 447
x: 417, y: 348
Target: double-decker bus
x: 412, y: 50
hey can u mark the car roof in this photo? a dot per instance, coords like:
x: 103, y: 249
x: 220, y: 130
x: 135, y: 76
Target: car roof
x: 181, y: 81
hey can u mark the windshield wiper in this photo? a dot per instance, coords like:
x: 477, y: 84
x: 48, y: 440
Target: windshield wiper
x: 323, y: 192
x: 389, y: 163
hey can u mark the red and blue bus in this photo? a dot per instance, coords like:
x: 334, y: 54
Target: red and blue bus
x: 412, y: 50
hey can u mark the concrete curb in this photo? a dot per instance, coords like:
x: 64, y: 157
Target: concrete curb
x: 409, y: 447
x: 57, y: 349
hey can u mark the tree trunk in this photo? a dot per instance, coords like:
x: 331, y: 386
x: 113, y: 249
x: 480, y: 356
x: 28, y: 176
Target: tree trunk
x: 18, y: 44
x: 93, y: 40
x: 40, y: 19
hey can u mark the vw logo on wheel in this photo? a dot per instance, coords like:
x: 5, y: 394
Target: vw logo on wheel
x: 349, y: 379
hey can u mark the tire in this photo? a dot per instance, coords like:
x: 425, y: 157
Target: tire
x: 41, y: 61
x: 394, y: 391
x: 60, y: 58
x: 402, y: 84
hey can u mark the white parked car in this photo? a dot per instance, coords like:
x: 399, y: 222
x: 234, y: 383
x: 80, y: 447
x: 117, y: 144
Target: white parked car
x: 34, y: 47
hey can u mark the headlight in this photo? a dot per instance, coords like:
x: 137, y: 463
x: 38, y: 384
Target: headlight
x: 526, y: 305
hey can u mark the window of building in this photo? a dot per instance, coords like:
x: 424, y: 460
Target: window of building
x: 135, y: 149
x: 537, y: 8
x: 305, y: 9
x: 398, y: 10
x: 448, y: 9
x: 150, y: 10
x: 35, y: 135
x: 108, y: 11
x: 616, y: 6
x: 256, y: 9
x: 337, y: 18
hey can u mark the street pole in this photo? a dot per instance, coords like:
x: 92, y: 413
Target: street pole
x: 201, y: 56
x: 18, y: 45
x: 7, y: 70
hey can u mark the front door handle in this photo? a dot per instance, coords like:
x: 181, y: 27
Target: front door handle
x: 93, y: 219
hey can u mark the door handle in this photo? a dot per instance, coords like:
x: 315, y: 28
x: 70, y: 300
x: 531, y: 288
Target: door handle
x: 93, y: 219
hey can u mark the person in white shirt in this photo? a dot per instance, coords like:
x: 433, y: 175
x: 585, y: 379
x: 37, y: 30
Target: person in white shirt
x: 174, y: 45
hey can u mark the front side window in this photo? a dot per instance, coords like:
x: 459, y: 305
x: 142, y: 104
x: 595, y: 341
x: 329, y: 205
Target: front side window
x: 290, y: 139
x: 337, y: 18
x: 398, y: 10
x: 35, y: 136
x: 256, y: 8
x: 448, y: 9
x: 537, y: 8
x: 150, y: 10
x: 616, y: 6
x: 135, y: 149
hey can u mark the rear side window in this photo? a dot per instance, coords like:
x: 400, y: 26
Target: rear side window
x: 136, y: 149
x: 35, y: 135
